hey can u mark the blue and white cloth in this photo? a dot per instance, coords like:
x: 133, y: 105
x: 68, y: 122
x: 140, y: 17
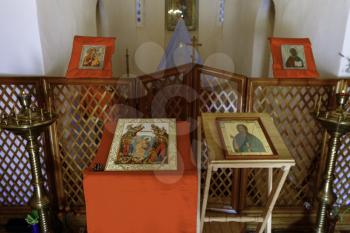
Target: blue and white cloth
x: 179, y: 49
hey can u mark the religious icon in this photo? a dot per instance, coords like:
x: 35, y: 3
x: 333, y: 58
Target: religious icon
x: 186, y: 9
x: 92, y: 57
x: 143, y: 144
x: 293, y: 57
x: 244, y: 138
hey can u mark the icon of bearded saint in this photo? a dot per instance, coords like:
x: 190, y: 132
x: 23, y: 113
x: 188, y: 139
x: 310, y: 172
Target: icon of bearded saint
x: 294, y: 60
x: 244, y: 141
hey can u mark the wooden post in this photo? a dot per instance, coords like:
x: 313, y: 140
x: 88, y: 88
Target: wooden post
x: 269, y: 187
x: 282, y: 176
x: 194, y: 45
x: 127, y: 63
x: 206, y: 195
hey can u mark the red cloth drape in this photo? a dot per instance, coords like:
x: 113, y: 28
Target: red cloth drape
x: 143, y: 202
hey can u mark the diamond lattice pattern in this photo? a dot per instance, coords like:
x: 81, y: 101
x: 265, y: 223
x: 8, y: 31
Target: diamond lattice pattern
x: 83, y: 110
x: 217, y: 95
x: 342, y: 173
x: 290, y: 107
x: 168, y: 97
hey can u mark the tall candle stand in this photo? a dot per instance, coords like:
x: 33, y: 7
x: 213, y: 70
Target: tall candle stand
x: 337, y: 123
x: 30, y: 123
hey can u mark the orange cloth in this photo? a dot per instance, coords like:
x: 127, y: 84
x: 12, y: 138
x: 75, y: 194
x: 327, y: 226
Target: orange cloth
x: 104, y: 71
x: 143, y: 202
x: 279, y: 71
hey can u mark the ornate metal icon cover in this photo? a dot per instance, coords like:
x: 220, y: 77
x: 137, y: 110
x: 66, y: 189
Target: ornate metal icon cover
x: 143, y: 144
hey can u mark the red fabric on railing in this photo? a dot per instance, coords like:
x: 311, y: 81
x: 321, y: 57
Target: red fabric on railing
x: 143, y: 202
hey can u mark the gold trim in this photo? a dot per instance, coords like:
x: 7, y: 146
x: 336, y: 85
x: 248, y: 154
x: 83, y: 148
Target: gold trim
x: 193, y: 20
x: 172, y: 149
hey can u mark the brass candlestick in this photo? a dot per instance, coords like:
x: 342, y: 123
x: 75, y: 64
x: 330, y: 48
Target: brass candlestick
x: 337, y: 123
x: 30, y: 123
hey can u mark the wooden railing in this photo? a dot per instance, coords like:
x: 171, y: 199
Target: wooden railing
x: 84, y: 105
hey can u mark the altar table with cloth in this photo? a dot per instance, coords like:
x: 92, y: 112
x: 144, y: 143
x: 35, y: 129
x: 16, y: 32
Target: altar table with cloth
x: 142, y: 202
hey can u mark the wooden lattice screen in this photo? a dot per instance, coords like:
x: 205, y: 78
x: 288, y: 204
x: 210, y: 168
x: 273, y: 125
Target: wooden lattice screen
x: 218, y: 92
x: 167, y: 94
x: 290, y: 103
x: 342, y: 173
x: 85, y: 105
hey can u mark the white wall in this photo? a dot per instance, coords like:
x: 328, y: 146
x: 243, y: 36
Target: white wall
x: 223, y: 46
x: 264, y: 24
x: 246, y: 23
x: 344, y: 68
x: 59, y: 21
x: 238, y: 45
x: 145, y: 42
x: 323, y: 21
x: 19, y: 41
x: 218, y: 40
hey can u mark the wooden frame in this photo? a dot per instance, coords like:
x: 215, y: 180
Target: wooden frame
x: 264, y: 148
x: 187, y: 9
x: 158, y: 135
x: 292, y: 58
x: 91, y: 57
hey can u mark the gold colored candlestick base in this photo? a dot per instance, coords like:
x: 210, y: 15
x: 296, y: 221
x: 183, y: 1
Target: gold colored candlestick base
x: 40, y: 200
x: 337, y: 123
x: 326, y: 196
x: 30, y: 123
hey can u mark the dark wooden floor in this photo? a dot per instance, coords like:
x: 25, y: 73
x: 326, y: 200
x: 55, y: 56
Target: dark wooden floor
x: 20, y: 227
x: 5, y: 229
x: 230, y: 227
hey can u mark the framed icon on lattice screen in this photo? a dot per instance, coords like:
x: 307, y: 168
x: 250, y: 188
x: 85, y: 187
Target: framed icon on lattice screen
x: 91, y: 57
x: 292, y: 58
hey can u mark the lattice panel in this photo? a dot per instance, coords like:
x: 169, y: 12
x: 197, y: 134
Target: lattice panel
x: 290, y: 107
x: 218, y: 95
x: 83, y: 110
x: 342, y: 173
x: 221, y: 186
x: 166, y: 97
x: 255, y: 192
x: 15, y: 173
